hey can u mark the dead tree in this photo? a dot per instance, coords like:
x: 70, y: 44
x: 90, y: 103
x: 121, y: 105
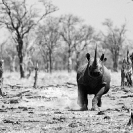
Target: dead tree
x: 131, y: 58
x: 48, y: 39
x: 19, y: 19
x: 126, y: 72
x: 114, y: 40
x: 36, y: 76
x: 68, y: 29
x: 29, y: 73
x: 83, y: 36
x: 1, y: 76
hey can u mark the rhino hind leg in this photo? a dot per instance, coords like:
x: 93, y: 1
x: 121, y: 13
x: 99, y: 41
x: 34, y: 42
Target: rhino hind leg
x: 82, y: 98
x: 99, y: 103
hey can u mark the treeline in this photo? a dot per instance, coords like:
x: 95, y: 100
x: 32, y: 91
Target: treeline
x: 56, y: 43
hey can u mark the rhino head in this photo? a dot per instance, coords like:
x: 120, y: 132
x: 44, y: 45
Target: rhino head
x: 96, y: 68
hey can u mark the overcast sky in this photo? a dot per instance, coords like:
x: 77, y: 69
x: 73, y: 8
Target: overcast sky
x: 94, y: 12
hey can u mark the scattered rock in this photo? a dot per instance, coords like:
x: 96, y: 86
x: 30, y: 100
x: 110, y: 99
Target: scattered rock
x: 59, y: 128
x: 58, y: 112
x: 12, y: 122
x: 23, y: 108
x: 118, y: 110
x: 14, y: 101
x: 107, y: 117
x: 100, y: 113
x: 30, y: 112
x: 60, y: 119
x: 125, y: 108
x: 76, y: 124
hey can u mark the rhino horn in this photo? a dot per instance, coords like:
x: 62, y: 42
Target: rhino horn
x: 94, y: 65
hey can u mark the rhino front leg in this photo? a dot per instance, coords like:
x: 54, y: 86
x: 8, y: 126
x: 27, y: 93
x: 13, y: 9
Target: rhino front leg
x: 82, y: 98
x: 96, y: 101
x: 99, y: 103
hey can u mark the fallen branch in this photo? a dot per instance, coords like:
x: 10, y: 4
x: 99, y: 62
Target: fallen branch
x: 19, y: 94
x: 36, y: 76
x: 71, y: 84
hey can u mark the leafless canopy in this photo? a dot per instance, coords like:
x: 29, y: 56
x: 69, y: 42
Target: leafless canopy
x: 20, y: 19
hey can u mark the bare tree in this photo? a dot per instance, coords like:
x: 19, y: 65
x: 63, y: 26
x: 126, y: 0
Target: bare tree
x: 8, y: 51
x: 83, y: 36
x: 20, y: 20
x: 48, y: 36
x: 36, y: 75
x: 114, y: 41
x: 29, y: 49
x: 12, y: 58
x: 68, y: 30
x: 44, y: 54
x: 1, y: 49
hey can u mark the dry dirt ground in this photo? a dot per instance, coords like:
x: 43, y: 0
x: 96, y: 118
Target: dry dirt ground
x: 50, y: 107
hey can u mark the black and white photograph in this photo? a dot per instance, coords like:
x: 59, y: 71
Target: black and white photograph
x: 66, y: 66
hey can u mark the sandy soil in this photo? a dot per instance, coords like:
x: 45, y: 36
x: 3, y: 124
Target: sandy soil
x: 50, y: 107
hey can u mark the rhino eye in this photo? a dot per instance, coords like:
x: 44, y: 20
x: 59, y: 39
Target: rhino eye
x: 100, y: 69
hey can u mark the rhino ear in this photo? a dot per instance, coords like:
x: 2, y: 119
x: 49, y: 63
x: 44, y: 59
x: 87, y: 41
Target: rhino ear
x: 105, y: 59
x: 102, y: 57
x: 88, y: 56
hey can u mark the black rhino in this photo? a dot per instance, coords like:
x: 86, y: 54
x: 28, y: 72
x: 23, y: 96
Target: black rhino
x: 93, y: 78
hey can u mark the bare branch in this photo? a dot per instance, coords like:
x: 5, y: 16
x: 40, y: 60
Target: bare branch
x: 9, y: 13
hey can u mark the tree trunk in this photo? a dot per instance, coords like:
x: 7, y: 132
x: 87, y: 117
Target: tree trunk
x: 69, y: 60
x: 50, y: 61
x: 11, y: 68
x: 12, y: 63
x: 115, y: 66
x: 36, y: 75
x: 20, y: 56
x: 77, y: 61
x: 47, y: 65
x: 21, y: 66
x: 45, y: 60
x: 115, y: 61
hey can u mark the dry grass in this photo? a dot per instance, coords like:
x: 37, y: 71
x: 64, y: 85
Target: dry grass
x: 48, y: 109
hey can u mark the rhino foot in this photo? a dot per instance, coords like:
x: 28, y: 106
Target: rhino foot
x: 84, y: 108
x: 95, y: 109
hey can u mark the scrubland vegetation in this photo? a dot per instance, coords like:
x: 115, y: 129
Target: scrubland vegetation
x: 58, y: 45
x: 51, y: 107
